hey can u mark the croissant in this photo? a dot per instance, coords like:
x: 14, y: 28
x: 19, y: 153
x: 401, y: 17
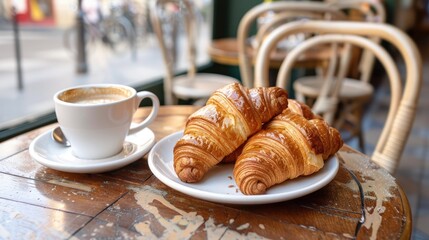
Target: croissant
x: 294, y: 106
x: 302, y: 109
x: 231, y: 115
x: 289, y: 146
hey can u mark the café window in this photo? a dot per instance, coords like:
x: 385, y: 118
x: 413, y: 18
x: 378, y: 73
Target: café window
x: 39, y: 52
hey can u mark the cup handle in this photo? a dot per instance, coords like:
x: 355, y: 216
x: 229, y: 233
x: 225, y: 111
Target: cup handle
x: 155, y: 107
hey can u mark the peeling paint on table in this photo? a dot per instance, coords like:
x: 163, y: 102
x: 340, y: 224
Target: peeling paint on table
x: 184, y: 224
x: 378, y: 185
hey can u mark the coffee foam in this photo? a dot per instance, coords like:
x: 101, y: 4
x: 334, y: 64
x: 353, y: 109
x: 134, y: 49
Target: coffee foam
x: 94, y: 95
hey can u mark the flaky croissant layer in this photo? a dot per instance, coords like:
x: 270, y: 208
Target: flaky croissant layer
x: 231, y: 115
x: 289, y: 146
x: 296, y: 107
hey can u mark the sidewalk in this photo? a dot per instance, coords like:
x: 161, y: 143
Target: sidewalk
x: 48, y: 71
x: 48, y: 67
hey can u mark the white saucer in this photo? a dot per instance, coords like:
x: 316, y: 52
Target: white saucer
x: 53, y: 155
x: 219, y: 186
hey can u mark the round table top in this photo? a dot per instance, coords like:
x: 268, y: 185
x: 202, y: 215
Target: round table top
x: 225, y: 51
x: 363, y: 201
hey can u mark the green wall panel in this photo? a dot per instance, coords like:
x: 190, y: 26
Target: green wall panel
x: 227, y: 15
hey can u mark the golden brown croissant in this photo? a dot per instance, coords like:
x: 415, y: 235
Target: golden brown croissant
x: 231, y: 115
x: 289, y: 146
x: 302, y: 109
x: 294, y: 106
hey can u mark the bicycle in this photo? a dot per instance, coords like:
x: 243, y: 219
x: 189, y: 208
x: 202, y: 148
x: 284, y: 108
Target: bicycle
x: 114, y: 31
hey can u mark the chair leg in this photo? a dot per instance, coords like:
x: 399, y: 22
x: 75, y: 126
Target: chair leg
x: 361, y: 141
x: 350, y: 119
x: 300, y: 97
x: 359, y: 122
x: 200, y: 102
x: 357, y: 117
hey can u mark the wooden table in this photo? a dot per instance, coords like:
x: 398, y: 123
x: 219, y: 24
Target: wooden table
x: 225, y: 51
x: 36, y: 202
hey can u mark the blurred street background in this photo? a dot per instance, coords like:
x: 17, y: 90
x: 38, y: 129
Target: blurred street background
x: 48, y: 67
x: 49, y: 55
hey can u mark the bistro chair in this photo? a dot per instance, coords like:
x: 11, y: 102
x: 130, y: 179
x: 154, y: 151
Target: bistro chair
x: 168, y: 18
x: 363, y: 11
x: 356, y: 91
x: 403, y: 101
x: 279, y: 13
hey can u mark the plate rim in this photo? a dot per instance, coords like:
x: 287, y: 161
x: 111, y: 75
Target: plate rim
x: 237, y: 199
x: 95, y: 167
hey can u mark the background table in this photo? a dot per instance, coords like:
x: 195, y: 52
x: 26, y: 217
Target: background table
x: 225, y: 51
x: 36, y: 202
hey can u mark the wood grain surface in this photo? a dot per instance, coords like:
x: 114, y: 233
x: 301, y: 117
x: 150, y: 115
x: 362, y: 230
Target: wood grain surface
x: 363, y: 201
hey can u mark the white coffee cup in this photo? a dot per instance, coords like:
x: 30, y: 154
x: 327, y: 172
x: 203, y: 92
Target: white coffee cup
x: 96, y: 118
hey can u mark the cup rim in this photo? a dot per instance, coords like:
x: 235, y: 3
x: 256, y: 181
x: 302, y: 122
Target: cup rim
x: 101, y: 85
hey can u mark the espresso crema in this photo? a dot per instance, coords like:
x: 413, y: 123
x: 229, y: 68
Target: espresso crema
x: 98, y: 99
x: 94, y: 95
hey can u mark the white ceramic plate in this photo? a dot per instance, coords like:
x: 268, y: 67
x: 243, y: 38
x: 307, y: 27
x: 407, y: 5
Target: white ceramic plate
x: 51, y: 154
x: 219, y: 186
